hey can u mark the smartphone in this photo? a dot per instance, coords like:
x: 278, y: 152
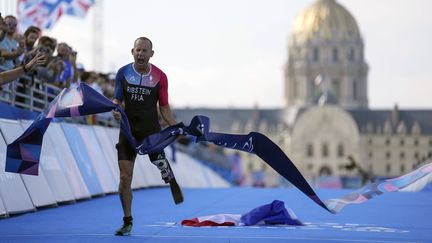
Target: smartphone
x: 44, y: 50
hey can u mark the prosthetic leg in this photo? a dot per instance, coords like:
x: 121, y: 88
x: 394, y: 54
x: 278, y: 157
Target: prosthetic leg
x: 168, y: 176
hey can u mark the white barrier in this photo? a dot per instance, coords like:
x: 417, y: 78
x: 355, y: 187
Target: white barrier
x: 108, y: 150
x: 54, y: 172
x: 192, y: 174
x: 138, y: 180
x: 98, y: 158
x: 37, y: 186
x: 2, y: 208
x: 13, y: 194
x: 78, y: 161
x: 67, y: 160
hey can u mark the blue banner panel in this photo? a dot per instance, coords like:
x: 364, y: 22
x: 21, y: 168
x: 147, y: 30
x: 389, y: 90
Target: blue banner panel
x: 98, y: 159
x: 82, y: 158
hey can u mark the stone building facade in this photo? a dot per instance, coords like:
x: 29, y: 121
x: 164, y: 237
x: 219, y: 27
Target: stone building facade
x: 326, y: 117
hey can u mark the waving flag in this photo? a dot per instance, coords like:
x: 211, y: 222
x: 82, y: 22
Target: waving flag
x: 24, y: 153
x: 45, y: 13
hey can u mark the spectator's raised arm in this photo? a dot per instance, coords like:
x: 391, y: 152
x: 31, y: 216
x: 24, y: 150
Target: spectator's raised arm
x: 11, y: 75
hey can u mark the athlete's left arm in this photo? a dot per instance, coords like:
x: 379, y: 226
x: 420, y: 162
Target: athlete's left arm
x: 167, y: 115
x: 164, y: 106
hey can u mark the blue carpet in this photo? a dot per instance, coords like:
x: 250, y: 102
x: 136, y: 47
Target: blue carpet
x: 392, y: 218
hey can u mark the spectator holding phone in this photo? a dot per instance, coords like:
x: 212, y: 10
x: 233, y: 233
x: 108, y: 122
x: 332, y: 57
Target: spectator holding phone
x: 11, y: 75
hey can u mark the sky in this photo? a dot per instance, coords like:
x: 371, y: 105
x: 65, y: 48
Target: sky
x: 231, y: 53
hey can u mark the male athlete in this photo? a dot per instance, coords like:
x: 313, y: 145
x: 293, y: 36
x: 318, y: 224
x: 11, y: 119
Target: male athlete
x: 141, y: 85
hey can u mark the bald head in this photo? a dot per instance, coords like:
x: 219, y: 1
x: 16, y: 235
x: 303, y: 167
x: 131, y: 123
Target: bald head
x: 144, y: 39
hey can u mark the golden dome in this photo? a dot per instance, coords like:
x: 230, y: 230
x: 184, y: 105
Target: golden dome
x: 324, y: 20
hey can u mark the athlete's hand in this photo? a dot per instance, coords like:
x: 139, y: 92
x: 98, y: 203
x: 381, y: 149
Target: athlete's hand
x: 116, y: 115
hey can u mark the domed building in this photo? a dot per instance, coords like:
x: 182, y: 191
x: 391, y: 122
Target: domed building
x: 326, y: 122
x: 326, y: 49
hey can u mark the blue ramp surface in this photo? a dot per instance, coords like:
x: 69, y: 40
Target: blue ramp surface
x: 392, y: 218
x: 82, y: 158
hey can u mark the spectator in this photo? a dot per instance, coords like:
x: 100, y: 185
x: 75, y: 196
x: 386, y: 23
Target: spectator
x: 11, y: 75
x: 68, y: 75
x: 80, y: 70
x: 94, y: 82
x: 30, y: 36
x: 51, y: 69
x: 3, y: 30
x: 109, y: 90
x: 12, y: 45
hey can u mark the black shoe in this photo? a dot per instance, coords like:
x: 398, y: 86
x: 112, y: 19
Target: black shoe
x: 124, y: 230
x: 126, y: 227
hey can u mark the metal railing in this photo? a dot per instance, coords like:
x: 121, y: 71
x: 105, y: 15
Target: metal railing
x: 33, y: 94
x: 28, y: 93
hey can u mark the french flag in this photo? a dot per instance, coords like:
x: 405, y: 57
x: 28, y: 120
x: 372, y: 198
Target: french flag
x: 214, y: 220
x: 274, y: 213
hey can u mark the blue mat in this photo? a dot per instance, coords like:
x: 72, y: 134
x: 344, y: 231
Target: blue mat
x: 393, y: 218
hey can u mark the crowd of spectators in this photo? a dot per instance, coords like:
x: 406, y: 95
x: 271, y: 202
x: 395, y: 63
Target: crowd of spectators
x: 43, y: 59
x: 58, y: 68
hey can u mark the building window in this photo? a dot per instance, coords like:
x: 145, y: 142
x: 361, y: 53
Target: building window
x: 370, y: 141
x: 388, y: 168
x: 325, y: 171
x: 387, y: 142
x: 340, y: 151
x: 416, y: 142
x: 325, y: 150
x: 335, y: 55
x: 315, y: 57
x: 430, y: 155
x: 370, y: 154
x: 388, y: 155
x: 354, y: 90
x: 402, y: 142
x: 402, y: 155
x: 402, y: 168
x: 309, y: 150
x: 430, y: 142
x: 416, y: 155
x: 351, y: 54
x: 335, y: 89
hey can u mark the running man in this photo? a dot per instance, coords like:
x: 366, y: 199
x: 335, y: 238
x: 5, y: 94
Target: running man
x: 141, y: 86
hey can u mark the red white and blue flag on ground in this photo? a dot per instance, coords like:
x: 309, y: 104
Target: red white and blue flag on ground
x: 273, y: 213
x: 45, y: 13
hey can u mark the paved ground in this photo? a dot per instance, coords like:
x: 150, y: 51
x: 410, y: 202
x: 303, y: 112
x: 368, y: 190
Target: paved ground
x: 392, y: 218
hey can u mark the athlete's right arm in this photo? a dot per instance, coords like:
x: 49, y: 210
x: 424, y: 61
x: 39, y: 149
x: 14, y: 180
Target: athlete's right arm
x: 116, y: 114
x: 118, y: 93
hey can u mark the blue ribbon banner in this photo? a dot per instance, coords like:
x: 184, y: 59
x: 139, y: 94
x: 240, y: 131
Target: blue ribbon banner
x: 23, y: 154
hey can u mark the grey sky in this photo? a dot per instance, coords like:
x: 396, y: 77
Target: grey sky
x: 231, y: 53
